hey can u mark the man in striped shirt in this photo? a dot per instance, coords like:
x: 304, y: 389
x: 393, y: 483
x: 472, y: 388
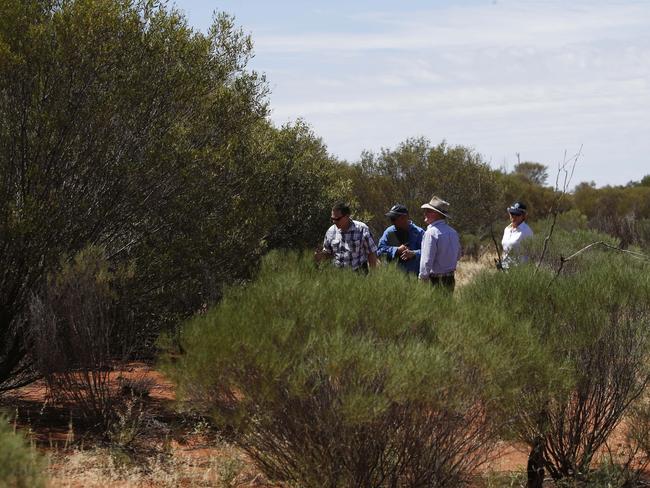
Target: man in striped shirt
x: 348, y: 243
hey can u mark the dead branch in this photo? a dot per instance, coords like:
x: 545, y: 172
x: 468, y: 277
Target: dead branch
x: 566, y: 170
x: 498, y: 261
x: 636, y: 255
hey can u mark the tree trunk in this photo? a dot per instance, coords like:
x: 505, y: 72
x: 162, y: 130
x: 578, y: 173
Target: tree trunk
x: 536, y: 464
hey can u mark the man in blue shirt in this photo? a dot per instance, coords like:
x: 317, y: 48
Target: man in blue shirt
x: 440, y: 246
x: 402, y: 241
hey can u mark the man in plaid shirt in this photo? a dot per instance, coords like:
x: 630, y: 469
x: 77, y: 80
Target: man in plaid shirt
x: 348, y: 242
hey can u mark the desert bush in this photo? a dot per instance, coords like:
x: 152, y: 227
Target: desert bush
x: 592, y: 325
x: 80, y: 333
x: 124, y: 127
x: 415, y: 170
x: 627, y: 460
x: 471, y: 245
x: 119, y: 125
x: 329, y: 378
x: 564, y: 243
x: 628, y: 230
x: 20, y: 465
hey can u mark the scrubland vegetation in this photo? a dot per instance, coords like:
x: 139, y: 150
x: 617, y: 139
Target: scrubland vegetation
x: 151, y: 212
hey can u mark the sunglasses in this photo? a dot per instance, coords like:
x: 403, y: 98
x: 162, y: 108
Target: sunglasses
x: 336, y: 219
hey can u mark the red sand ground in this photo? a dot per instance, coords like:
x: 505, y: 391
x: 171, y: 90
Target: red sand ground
x: 49, y: 426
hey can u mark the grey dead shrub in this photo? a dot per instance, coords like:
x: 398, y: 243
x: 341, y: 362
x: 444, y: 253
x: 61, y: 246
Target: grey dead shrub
x: 81, y: 334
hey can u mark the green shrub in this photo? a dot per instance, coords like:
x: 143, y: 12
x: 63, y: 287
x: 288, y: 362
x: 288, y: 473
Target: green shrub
x: 472, y: 245
x: 642, y: 234
x: 564, y: 243
x: 593, y: 326
x: 330, y: 378
x: 20, y: 465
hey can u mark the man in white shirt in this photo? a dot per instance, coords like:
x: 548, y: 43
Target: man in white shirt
x: 514, y: 234
x: 440, y: 246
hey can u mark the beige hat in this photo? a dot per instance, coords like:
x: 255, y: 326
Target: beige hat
x: 439, y: 205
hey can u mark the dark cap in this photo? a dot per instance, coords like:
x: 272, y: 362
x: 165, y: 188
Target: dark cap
x: 397, y: 210
x: 517, y: 208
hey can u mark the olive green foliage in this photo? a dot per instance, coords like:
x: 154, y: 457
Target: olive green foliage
x: 539, y: 199
x: 115, y: 123
x: 416, y: 170
x: 622, y: 211
x: 613, y: 201
x: 331, y: 378
x: 123, y: 127
x: 312, y: 367
x: 20, y: 465
x: 570, y: 235
x: 304, y: 181
x: 535, y: 173
x: 593, y: 327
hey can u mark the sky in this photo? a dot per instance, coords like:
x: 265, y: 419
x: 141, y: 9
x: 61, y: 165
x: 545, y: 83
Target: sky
x: 534, y: 80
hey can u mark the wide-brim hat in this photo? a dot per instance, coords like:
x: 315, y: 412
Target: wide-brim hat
x: 517, y: 208
x: 437, y: 204
x: 397, y: 211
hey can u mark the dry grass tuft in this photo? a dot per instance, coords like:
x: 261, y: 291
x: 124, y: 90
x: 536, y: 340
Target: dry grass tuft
x: 469, y: 268
x: 174, y: 466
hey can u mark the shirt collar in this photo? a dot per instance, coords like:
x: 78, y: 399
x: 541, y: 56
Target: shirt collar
x: 351, y: 227
x: 438, y: 223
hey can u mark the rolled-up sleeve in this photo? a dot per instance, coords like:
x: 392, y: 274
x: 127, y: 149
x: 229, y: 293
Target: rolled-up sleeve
x: 372, y: 247
x: 327, y: 243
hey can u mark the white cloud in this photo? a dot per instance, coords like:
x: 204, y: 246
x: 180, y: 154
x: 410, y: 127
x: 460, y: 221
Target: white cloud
x: 517, y: 24
x: 528, y: 77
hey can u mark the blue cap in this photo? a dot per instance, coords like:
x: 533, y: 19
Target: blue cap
x: 397, y: 210
x: 517, y: 208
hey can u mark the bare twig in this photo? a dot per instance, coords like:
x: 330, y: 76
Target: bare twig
x: 636, y: 255
x: 499, y: 261
x: 566, y: 170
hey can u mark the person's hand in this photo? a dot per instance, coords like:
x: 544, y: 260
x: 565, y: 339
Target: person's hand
x: 401, y: 249
x: 320, y: 255
x: 407, y: 254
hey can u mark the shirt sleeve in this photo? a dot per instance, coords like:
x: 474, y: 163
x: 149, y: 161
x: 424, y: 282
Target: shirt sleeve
x: 384, y: 248
x: 372, y: 247
x: 429, y: 250
x: 417, y: 247
x: 327, y: 243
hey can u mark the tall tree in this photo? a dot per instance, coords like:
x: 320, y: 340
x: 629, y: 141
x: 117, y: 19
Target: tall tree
x: 416, y: 170
x: 122, y: 127
x: 536, y: 173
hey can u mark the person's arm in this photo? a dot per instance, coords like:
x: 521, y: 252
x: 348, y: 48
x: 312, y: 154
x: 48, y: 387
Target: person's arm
x: 429, y: 250
x: 326, y: 252
x: 372, y: 260
x: 372, y: 250
x: 384, y: 247
x: 417, y: 243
